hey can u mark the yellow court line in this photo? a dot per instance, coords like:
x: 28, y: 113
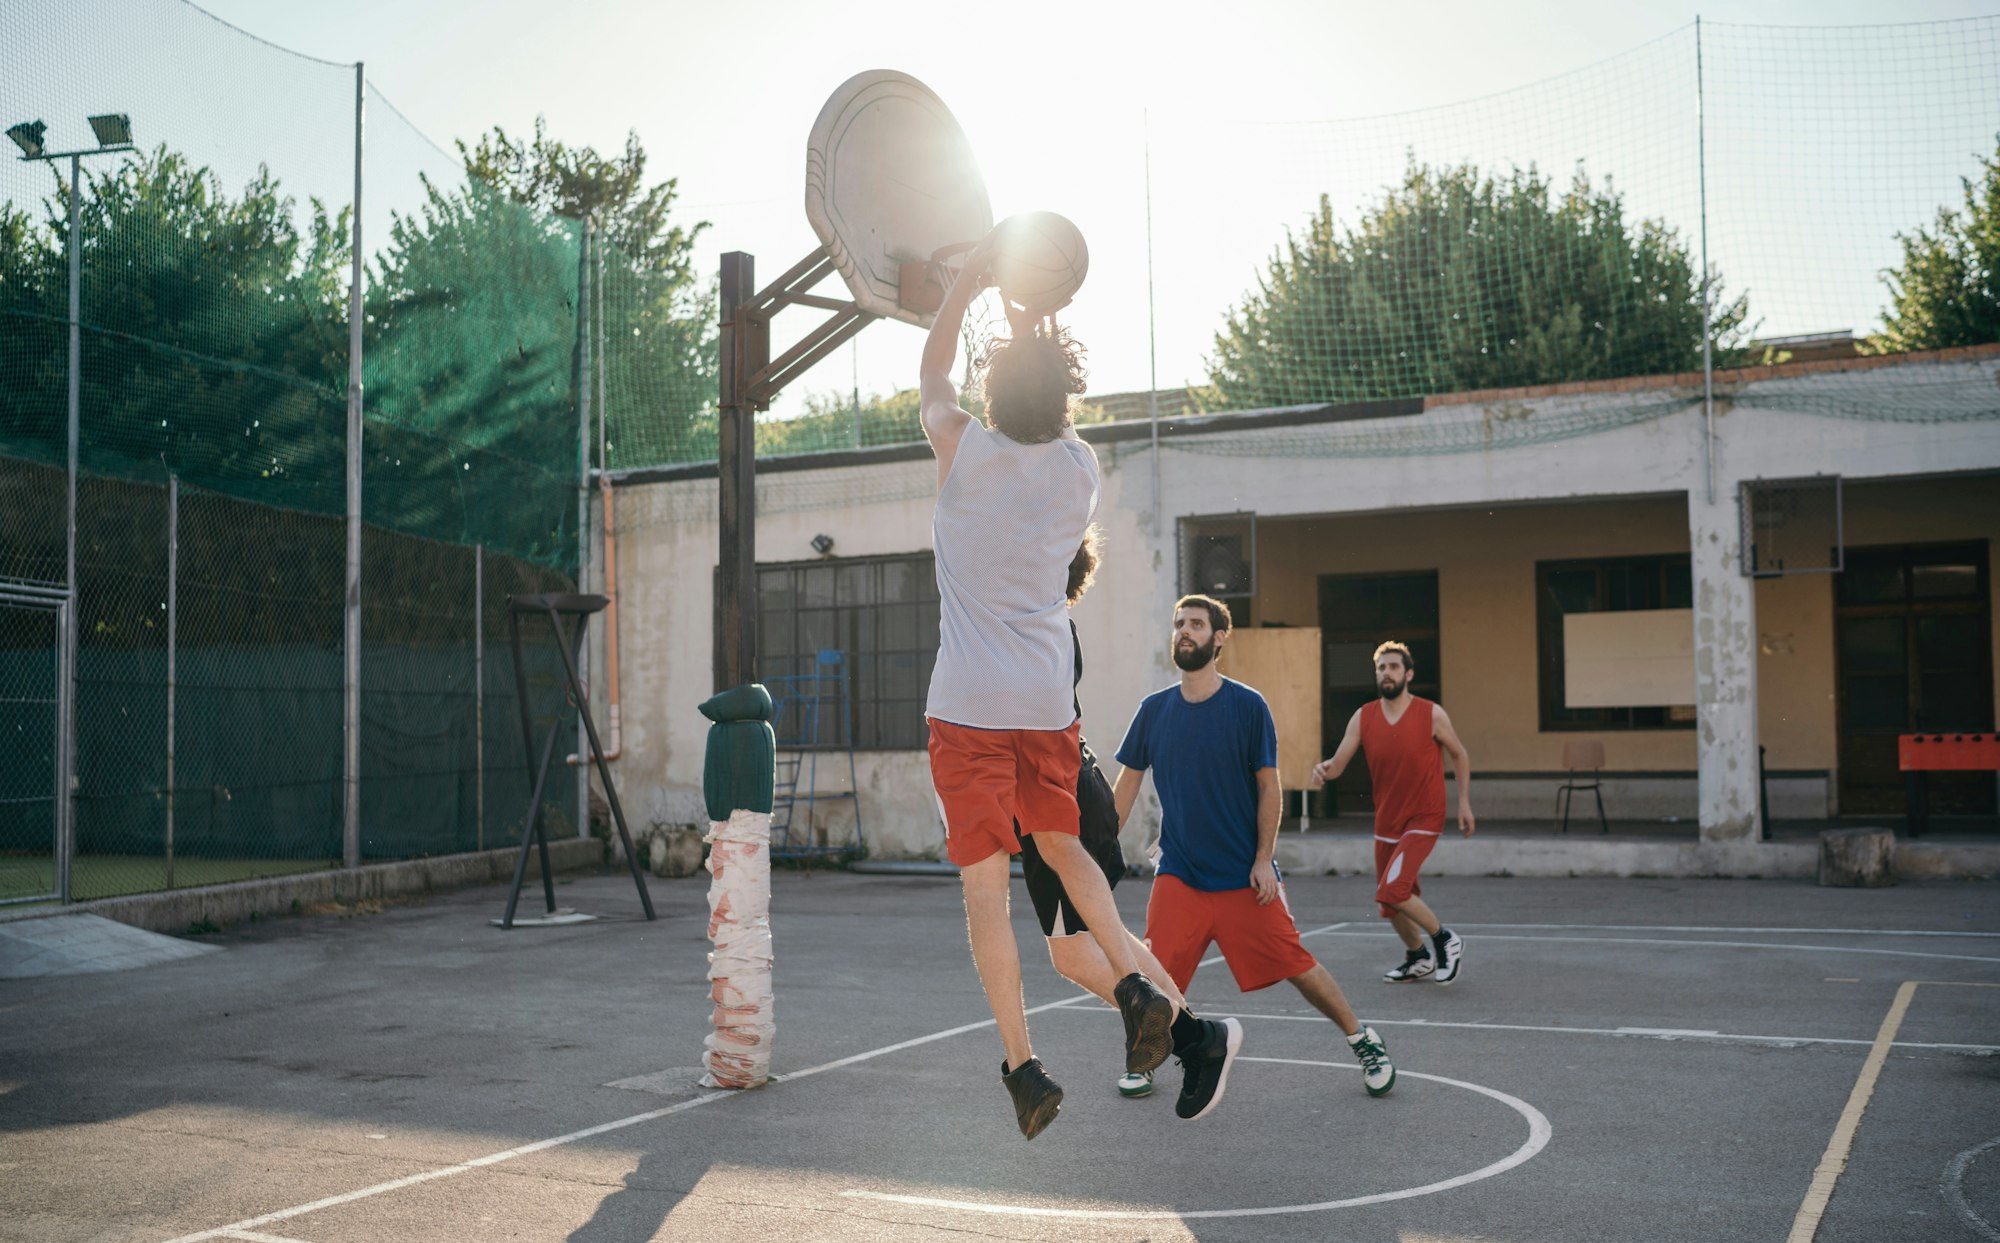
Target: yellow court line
x: 1834, y: 1161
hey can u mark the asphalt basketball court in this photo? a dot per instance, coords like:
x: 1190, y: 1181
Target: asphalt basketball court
x: 1621, y: 1060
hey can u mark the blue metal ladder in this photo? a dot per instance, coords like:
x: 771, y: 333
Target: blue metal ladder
x: 799, y: 702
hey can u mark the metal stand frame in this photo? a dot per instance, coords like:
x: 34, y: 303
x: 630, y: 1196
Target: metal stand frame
x: 555, y: 606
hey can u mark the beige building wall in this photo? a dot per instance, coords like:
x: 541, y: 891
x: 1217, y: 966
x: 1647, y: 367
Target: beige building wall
x: 1485, y: 562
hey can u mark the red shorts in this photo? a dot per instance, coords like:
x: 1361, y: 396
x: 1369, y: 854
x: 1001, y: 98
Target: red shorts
x: 1396, y: 865
x: 986, y: 779
x: 1260, y: 943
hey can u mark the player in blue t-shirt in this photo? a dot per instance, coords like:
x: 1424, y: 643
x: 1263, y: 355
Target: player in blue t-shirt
x: 1212, y: 748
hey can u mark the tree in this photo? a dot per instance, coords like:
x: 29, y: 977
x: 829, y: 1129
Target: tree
x: 1946, y: 291
x: 215, y: 338
x: 662, y: 342
x: 1457, y: 280
x: 471, y: 329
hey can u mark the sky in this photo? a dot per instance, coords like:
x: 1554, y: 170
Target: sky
x: 1062, y: 103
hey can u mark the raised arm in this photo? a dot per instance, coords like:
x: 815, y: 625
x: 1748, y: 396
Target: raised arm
x: 1461, y: 768
x: 944, y: 419
x: 1350, y: 742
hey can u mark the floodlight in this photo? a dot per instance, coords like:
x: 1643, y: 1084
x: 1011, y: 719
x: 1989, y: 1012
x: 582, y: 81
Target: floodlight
x: 823, y: 545
x: 113, y: 129
x: 28, y: 137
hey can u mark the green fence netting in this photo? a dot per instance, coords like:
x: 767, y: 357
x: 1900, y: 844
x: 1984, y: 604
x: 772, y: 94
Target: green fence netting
x: 1769, y: 193
x: 214, y: 264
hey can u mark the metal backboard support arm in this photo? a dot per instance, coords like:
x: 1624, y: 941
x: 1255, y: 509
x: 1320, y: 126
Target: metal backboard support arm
x: 750, y: 379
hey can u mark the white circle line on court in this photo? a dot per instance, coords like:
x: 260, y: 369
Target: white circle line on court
x: 1952, y: 1185
x: 1539, y: 1134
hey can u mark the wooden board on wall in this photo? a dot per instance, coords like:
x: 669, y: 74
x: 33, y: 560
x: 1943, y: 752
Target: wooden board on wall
x: 1282, y: 663
x: 1642, y: 658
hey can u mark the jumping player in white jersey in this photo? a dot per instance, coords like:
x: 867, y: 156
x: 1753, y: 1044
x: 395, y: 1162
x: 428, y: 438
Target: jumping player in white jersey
x: 1015, y: 498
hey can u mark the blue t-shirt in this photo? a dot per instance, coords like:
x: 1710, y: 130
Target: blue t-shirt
x: 1205, y: 758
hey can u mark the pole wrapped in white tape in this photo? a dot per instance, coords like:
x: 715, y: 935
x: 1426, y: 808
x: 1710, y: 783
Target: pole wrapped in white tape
x: 739, y: 967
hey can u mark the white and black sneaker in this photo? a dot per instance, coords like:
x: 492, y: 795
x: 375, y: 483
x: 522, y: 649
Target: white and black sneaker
x: 1378, y: 1073
x: 1206, y: 1064
x: 1450, y: 954
x: 1135, y: 1084
x: 1416, y: 965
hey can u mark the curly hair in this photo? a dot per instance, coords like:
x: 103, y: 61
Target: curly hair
x: 1028, y: 381
x: 1083, y: 566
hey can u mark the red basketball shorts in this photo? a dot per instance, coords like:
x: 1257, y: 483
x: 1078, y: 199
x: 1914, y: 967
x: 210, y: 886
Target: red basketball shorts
x: 986, y: 779
x: 1260, y: 943
x: 1396, y: 865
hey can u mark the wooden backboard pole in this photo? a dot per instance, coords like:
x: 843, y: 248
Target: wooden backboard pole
x: 736, y: 471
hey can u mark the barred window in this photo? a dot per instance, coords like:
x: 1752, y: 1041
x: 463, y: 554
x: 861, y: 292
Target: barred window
x: 881, y: 614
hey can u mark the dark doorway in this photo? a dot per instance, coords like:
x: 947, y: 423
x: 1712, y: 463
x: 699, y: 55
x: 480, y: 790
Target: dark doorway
x: 1357, y: 612
x: 1914, y: 650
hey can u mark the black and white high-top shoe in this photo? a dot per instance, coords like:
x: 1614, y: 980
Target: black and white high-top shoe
x: 1416, y: 965
x: 1450, y: 954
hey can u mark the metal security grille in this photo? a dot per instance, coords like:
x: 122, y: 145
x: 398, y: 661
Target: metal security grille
x: 30, y: 736
x: 1792, y: 526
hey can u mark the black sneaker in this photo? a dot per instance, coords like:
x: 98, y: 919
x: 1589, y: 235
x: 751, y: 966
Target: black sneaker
x: 1451, y: 955
x: 1149, y: 1019
x: 1417, y: 965
x: 1206, y: 1066
x: 1037, y: 1098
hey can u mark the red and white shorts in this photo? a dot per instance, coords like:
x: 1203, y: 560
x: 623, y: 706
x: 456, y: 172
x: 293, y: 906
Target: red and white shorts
x: 1260, y: 943
x: 1396, y: 862
x: 987, y: 779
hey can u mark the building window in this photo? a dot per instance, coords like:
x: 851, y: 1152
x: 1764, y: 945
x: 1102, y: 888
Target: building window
x: 881, y: 614
x: 1610, y: 584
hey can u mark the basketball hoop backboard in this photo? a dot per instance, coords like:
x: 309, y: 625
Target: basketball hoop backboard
x: 892, y: 189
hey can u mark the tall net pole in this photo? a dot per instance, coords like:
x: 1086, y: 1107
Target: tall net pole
x: 1152, y: 325
x: 1707, y: 278
x: 66, y: 705
x: 173, y: 654
x: 350, y: 829
x: 583, y: 306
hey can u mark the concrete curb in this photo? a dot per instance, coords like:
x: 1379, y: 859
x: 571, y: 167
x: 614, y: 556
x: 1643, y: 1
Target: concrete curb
x: 1500, y: 856
x: 177, y: 910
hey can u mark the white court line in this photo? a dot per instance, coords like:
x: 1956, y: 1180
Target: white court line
x: 253, y: 1237
x: 249, y: 1223
x: 1952, y: 1187
x: 463, y: 1167
x: 1644, y: 1033
x: 1539, y: 1133
x: 1831, y: 932
x: 1741, y: 945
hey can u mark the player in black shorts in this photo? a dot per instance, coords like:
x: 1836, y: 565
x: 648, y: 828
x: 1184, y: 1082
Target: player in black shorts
x: 1073, y: 952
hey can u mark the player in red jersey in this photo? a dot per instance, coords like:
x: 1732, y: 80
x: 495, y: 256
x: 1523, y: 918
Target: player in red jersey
x: 1403, y: 736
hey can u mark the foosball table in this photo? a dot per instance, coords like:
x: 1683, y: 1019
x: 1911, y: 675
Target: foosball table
x: 1919, y: 755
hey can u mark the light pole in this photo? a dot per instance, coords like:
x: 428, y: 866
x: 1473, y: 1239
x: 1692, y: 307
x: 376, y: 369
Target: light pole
x: 114, y: 134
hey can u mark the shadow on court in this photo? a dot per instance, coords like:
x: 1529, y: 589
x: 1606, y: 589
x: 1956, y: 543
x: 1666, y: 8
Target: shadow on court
x: 1689, y: 1046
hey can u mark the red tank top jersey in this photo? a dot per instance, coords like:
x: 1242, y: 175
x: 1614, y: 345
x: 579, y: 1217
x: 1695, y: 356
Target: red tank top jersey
x: 1405, y: 768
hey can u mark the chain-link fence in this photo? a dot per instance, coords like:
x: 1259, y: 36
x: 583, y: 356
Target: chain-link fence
x: 184, y: 309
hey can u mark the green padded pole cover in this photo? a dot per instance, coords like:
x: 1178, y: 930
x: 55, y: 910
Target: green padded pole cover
x: 740, y: 768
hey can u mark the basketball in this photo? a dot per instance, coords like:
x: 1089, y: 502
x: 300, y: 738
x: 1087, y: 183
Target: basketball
x: 1039, y: 261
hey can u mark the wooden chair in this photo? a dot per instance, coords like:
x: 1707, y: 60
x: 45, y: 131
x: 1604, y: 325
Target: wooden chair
x: 1581, y: 758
